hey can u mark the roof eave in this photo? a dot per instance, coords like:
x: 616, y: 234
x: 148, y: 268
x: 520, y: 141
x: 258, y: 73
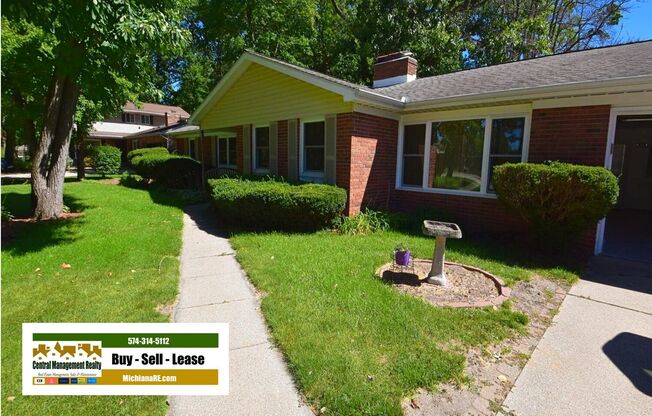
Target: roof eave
x: 615, y: 85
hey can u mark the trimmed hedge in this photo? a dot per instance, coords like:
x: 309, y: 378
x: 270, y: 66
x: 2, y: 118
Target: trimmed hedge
x: 172, y: 171
x: 276, y: 205
x: 560, y: 200
x: 147, y: 151
x: 106, y: 160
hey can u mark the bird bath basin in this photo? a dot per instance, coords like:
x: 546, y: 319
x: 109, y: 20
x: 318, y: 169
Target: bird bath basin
x: 441, y: 231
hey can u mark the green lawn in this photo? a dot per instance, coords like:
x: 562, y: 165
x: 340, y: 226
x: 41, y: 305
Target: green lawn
x: 355, y: 345
x: 115, y: 250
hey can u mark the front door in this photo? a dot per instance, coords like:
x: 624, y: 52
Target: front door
x: 628, y: 232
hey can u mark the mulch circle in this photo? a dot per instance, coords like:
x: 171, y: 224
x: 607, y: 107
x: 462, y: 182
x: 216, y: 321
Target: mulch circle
x: 467, y: 286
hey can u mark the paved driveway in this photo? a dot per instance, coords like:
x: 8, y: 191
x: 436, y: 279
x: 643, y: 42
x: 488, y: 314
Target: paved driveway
x: 596, y: 358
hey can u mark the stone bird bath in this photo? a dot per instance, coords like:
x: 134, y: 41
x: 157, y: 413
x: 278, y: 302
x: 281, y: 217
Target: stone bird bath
x: 442, y: 231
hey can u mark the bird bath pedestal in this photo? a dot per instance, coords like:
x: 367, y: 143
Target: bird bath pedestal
x: 442, y: 231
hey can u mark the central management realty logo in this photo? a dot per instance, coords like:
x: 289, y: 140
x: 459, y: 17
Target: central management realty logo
x: 66, y: 359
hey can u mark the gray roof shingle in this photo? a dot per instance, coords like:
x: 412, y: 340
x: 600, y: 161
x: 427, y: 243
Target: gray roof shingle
x: 599, y: 64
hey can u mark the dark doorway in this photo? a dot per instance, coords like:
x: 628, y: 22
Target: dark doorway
x: 628, y: 229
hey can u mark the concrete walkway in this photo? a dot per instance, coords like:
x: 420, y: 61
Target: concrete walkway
x: 596, y: 358
x: 215, y: 289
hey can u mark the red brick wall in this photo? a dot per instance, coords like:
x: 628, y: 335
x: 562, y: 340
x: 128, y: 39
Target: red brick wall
x: 205, y: 155
x: 473, y: 213
x: 282, y: 155
x: 344, y: 124
x: 570, y: 134
x: 574, y: 134
x: 373, y: 161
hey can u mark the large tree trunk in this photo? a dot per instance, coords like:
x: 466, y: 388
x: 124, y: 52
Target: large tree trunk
x: 51, y: 156
x: 10, y: 145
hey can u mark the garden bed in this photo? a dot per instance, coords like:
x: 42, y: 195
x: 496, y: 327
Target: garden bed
x: 467, y: 286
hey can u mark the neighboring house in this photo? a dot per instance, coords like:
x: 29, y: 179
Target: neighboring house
x: 142, y: 123
x: 410, y: 143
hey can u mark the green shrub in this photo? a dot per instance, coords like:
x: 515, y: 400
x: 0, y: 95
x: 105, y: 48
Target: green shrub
x: 22, y: 165
x: 365, y: 222
x: 276, y: 205
x: 133, y: 181
x: 559, y: 200
x: 106, y: 160
x: 168, y: 170
x: 147, y: 151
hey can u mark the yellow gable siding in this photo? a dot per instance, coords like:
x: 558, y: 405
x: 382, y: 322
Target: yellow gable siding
x: 262, y: 95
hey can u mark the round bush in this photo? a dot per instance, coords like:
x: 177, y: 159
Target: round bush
x: 560, y: 200
x: 172, y: 171
x: 106, y: 160
x: 276, y: 205
x: 147, y: 151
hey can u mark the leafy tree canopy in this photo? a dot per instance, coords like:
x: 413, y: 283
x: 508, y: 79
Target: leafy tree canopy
x: 342, y: 37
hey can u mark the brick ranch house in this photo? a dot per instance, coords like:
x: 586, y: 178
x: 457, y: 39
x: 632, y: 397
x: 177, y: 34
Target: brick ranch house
x: 137, y: 126
x: 408, y: 143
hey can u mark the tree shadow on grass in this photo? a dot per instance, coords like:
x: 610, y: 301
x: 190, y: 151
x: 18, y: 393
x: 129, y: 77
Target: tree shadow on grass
x: 21, y: 237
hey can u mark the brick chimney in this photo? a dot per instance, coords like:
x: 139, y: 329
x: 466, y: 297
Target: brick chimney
x: 172, y: 118
x: 394, y: 68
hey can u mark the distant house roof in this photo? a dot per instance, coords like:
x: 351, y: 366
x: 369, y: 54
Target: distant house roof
x: 115, y: 130
x: 164, y: 130
x: 160, y: 109
x: 594, y: 65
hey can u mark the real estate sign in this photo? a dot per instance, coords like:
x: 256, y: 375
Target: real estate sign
x: 125, y: 359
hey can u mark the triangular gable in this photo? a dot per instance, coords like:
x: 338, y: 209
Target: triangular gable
x: 248, y: 61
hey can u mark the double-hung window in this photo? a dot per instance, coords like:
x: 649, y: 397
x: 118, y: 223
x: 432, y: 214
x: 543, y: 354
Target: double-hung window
x: 458, y: 156
x: 128, y: 118
x: 413, y: 147
x: 313, y: 155
x: 226, y: 152
x: 261, y: 149
x: 506, y: 143
x: 145, y: 119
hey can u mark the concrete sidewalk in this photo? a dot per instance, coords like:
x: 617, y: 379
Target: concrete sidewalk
x: 215, y: 289
x: 596, y: 357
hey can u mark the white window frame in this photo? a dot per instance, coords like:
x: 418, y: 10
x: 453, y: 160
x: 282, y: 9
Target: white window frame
x: 231, y: 163
x: 253, y: 147
x: 428, y: 120
x: 310, y: 175
x: 401, y: 156
x: 149, y: 121
x: 130, y: 118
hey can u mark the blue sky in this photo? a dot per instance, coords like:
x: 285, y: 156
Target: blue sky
x: 637, y: 23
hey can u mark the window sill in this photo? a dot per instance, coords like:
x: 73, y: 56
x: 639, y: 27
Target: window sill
x: 447, y: 192
x: 261, y: 171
